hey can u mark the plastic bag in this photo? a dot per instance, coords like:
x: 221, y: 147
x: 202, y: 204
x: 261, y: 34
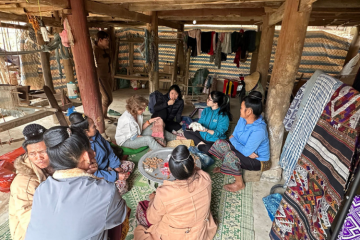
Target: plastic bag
x: 11, y: 156
x: 7, y: 170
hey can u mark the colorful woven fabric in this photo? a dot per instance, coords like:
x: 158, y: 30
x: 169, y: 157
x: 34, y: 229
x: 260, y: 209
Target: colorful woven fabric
x: 122, y: 185
x: 320, y: 94
x: 351, y: 228
x: 141, y: 213
x: 316, y: 188
x: 294, y: 107
x: 158, y: 129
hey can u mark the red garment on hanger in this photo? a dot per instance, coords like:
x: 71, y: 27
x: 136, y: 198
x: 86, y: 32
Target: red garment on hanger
x: 212, y: 47
x: 225, y: 85
x: 233, y: 94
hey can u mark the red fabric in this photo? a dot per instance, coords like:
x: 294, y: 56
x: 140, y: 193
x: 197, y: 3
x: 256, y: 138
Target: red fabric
x: 237, y: 57
x: 7, y: 170
x: 212, y: 47
x: 235, y: 88
x: 225, y: 85
x: 11, y: 156
x: 141, y: 213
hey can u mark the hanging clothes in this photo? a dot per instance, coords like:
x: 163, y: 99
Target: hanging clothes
x: 196, y: 34
x: 193, y: 44
x: 206, y: 42
x: 211, y: 52
x: 226, y: 44
x: 321, y: 89
x: 316, y: 188
x: 234, y: 90
x: 250, y: 40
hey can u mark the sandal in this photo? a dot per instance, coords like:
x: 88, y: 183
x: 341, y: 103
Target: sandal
x: 113, y: 113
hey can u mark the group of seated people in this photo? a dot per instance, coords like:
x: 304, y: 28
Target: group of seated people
x: 69, y: 184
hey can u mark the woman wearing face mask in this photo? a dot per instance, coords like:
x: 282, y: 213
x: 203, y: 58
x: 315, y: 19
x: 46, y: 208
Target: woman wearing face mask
x: 132, y: 132
x: 73, y: 204
x: 248, y: 146
x: 170, y: 108
x: 109, y: 165
x: 215, y: 119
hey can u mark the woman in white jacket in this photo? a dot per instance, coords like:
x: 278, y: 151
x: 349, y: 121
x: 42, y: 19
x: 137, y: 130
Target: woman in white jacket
x: 132, y: 132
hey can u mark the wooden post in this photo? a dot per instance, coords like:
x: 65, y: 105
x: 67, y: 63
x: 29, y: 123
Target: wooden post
x: 187, y: 70
x: 114, y: 50
x: 287, y: 61
x: 177, y: 48
x: 85, y: 65
x: 155, y: 29
x: 68, y: 67
x: 354, y: 46
x: 264, y: 55
x: 45, y: 64
x: 254, y: 57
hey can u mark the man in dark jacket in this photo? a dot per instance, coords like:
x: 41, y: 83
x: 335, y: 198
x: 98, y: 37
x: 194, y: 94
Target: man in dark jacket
x: 169, y: 107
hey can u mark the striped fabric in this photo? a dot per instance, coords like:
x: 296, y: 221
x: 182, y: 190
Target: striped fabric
x: 320, y: 94
x: 316, y: 188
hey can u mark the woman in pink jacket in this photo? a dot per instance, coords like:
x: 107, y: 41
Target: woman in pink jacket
x: 179, y: 209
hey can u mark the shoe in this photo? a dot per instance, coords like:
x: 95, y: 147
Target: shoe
x: 113, y: 113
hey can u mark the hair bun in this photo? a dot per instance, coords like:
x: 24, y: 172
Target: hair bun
x: 255, y: 95
x: 56, y: 135
x: 33, y: 130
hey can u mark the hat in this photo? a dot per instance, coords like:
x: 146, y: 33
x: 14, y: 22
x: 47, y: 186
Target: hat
x: 251, y: 81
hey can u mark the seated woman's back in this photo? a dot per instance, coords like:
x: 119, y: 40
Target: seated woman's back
x: 73, y: 204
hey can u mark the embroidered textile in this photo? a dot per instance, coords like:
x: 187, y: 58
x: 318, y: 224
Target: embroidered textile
x: 316, y: 187
x: 158, y: 132
x: 122, y: 185
x: 141, y: 213
x: 351, y: 228
x: 320, y: 94
x: 294, y: 107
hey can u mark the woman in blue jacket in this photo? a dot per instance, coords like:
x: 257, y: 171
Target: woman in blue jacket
x: 248, y: 147
x: 109, y: 165
x: 215, y: 119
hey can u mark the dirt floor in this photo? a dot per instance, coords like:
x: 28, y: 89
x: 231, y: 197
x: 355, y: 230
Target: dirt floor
x: 262, y: 223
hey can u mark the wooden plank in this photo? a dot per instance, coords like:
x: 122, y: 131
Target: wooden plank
x: 194, y: 1
x: 224, y: 22
x: 336, y: 4
x: 216, y: 18
x: 23, y: 18
x: 176, y: 58
x: 205, y: 12
x: 131, y: 77
x: 277, y: 16
x: 155, y: 30
x: 141, y: 40
x: 104, y: 24
x: 24, y: 120
x: 189, y: 4
x: 54, y: 104
x: 16, y: 26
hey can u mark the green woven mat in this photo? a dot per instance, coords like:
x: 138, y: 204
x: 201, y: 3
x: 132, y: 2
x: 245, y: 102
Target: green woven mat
x: 5, y: 231
x: 232, y: 211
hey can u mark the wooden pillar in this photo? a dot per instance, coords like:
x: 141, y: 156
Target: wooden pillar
x: 85, y: 65
x: 354, y: 46
x: 176, y: 59
x: 68, y: 67
x: 264, y: 55
x: 287, y: 61
x: 114, y: 50
x: 254, y: 57
x: 45, y: 64
x: 187, y: 69
x: 154, y: 28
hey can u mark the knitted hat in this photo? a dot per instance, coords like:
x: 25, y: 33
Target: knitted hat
x: 251, y: 81
x: 33, y: 130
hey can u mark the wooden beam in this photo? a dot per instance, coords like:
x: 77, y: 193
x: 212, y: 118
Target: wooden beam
x: 265, y: 49
x: 97, y: 24
x: 45, y: 64
x: 192, y: 1
x: 23, y: 18
x: 223, y: 22
x: 335, y: 10
x: 336, y: 4
x: 141, y: 40
x: 188, y: 4
x: 287, y: 60
x: 16, y: 26
x: 277, y: 16
x: 255, y: 56
x: 24, y: 120
x: 206, y: 12
x: 155, y: 29
x: 306, y: 5
x: 227, y: 18
x: 354, y: 46
x: 170, y: 24
x: 131, y: 58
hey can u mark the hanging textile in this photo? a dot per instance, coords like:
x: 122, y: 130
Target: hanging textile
x: 197, y: 35
x: 294, y: 107
x: 9, y: 102
x: 351, y: 228
x: 234, y: 90
x: 321, y: 92
x: 226, y: 44
x: 206, y: 41
x: 192, y: 43
x: 250, y: 40
x: 211, y: 52
x: 316, y: 188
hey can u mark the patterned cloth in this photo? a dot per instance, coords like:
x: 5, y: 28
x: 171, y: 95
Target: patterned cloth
x: 316, y: 188
x: 351, y: 228
x: 141, y: 214
x: 320, y: 94
x: 158, y: 132
x: 122, y: 185
x: 294, y: 107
